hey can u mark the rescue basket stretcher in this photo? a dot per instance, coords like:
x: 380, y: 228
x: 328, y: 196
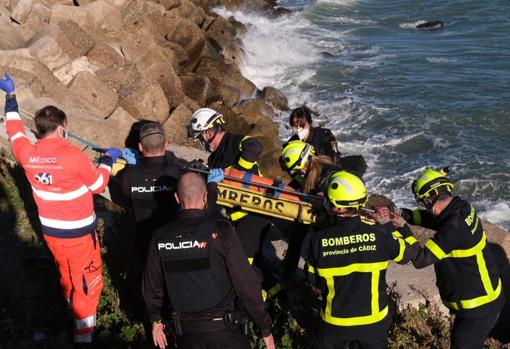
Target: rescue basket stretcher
x: 257, y: 194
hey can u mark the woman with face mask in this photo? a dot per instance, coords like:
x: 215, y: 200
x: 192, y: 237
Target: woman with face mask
x: 323, y: 141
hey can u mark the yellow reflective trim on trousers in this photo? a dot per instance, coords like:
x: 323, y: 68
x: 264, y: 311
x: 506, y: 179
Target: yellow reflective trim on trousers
x: 475, y: 302
x: 329, y: 273
x: 435, y: 249
x: 237, y: 215
x: 411, y: 240
x: 250, y: 260
x: 245, y: 163
x: 416, y: 217
x: 311, y: 269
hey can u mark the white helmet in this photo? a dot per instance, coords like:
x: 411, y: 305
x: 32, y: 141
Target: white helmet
x: 202, y: 120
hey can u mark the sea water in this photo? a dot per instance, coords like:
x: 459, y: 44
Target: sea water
x: 402, y: 97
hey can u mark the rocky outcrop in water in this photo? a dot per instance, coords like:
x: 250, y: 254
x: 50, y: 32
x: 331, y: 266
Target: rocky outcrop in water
x: 108, y: 63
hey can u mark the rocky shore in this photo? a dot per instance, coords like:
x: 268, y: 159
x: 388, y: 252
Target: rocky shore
x: 109, y: 63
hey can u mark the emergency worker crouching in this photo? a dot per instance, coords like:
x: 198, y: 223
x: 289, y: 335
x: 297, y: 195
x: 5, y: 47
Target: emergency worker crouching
x: 241, y: 152
x: 309, y: 171
x: 348, y: 261
x: 466, y: 271
x: 201, y: 263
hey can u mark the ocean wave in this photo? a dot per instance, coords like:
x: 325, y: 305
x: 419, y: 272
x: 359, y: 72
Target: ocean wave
x: 441, y: 60
x: 411, y: 25
x: 496, y: 212
x: 277, y: 53
x: 338, y: 2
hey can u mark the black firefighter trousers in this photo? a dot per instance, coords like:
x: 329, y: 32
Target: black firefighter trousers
x: 470, y: 332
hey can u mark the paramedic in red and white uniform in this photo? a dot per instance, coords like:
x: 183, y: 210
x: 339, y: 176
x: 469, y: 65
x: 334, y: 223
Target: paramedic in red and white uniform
x: 63, y: 180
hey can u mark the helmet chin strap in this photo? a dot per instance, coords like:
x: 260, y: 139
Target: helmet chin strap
x: 207, y: 143
x: 429, y: 205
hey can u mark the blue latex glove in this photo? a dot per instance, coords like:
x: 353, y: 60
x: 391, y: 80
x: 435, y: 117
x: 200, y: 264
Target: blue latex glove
x: 114, y: 153
x: 132, y: 156
x: 216, y: 175
x: 7, y: 85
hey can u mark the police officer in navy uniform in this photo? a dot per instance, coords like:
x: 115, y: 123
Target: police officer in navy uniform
x: 200, y: 262
x: 149, y: 186
x: 348, y: 261
x: 466, y: 272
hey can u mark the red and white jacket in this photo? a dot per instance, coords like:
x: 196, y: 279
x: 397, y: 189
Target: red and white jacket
x: 63, y: 179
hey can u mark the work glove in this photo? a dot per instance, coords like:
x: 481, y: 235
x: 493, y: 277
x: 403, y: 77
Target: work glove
x: 396, y: 219
x: 114, y: 153
x: 381, y: 214
x: 216, y: 175
x: 7, y: 85
x: 132, y: 156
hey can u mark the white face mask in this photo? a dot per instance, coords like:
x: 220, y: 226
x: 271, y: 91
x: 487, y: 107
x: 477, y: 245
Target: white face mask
x: 303, y: 133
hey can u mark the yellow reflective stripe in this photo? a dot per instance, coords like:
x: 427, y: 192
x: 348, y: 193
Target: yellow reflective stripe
x: 411, y: 240
x: 355, y: 321
x: 250, y: 260
x: 329, y: 273
x: 484, y: 273
x: 416, y: 217
x: 396, y: 234
x: 352, y: 268
x: 374, y: 291
x: 402, y: 248
x: 264, y: 295
x: 475, y: 302
x: 435, y: 249
x: 245, y: 163
x: 470, y: 251
x: 241, y: 143
x: 490, y: 293
x: 311, y: 269
x: 237, y: 215
x: 274, y: 290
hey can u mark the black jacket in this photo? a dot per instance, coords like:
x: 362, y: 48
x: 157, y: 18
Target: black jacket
x: 223, y: 246
x: 349, y: 262
x: 323, y: 141
x: 149, y: 189
x: 236, y: 150
x: 466, y: 272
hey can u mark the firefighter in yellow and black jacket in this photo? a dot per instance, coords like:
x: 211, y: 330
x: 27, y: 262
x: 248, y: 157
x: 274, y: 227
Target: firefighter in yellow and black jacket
x: 241, y: 152
x: 348, y: 261
x: 466, y: 272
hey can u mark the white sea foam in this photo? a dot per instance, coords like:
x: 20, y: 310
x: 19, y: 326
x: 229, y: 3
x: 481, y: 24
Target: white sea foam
x: 411, y: 25
x: 495, y: 212
x: 441, y: 60
x: 285, y: 53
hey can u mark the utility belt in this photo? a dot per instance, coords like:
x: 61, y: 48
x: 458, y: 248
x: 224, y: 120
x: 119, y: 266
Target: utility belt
x: 234, y: 322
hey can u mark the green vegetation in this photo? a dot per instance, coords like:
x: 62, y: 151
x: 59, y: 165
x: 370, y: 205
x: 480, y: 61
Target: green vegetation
x: 32, y: 305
